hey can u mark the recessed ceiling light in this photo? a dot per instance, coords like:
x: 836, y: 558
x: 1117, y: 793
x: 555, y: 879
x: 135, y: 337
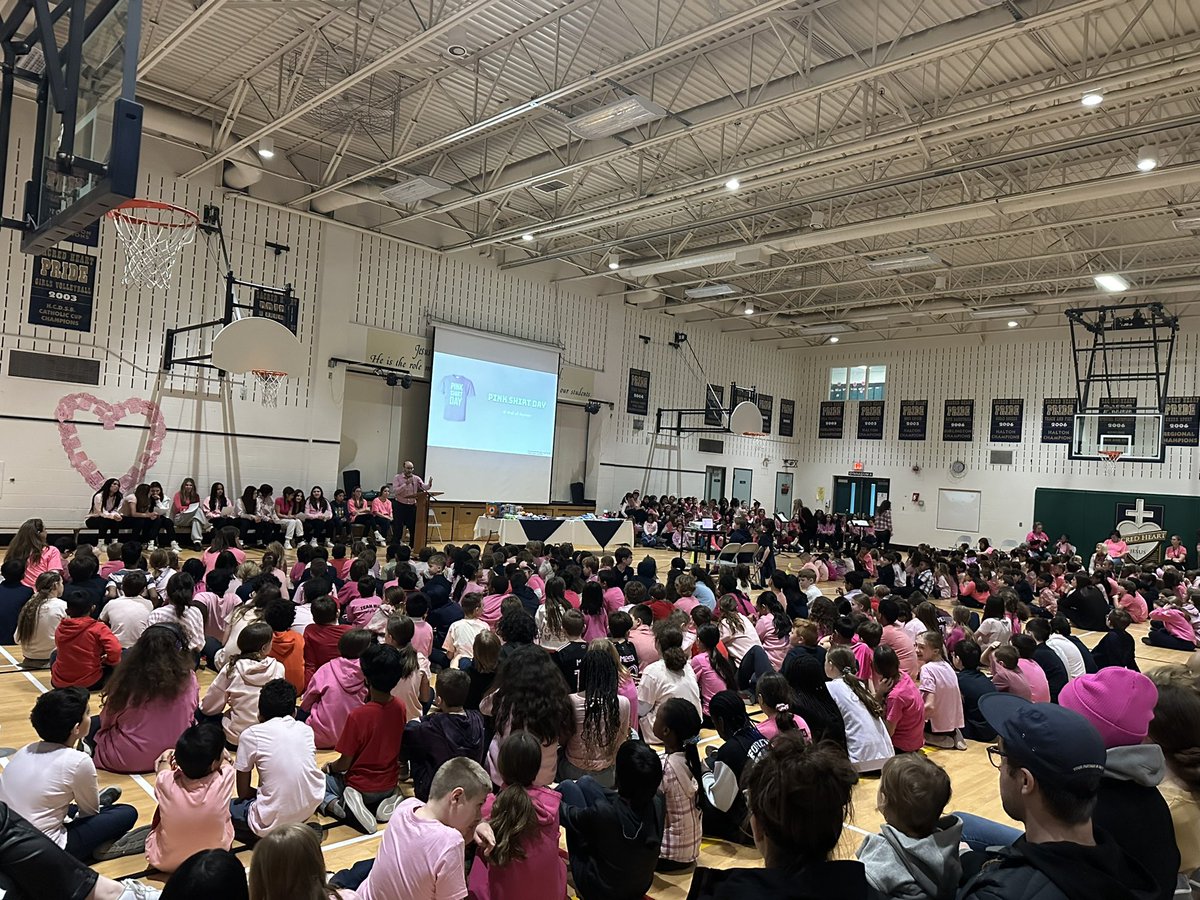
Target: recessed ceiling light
x: 732, y: 184
x: 1013, y: 323
x: 527, y: 236
x: 1092, y: 98
x: 1147, y: 160
x: 1110, y: 282
x: 266, y: 148
x: 834, y: 339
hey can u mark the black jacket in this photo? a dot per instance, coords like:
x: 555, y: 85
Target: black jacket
x: 1060, y: 871
x: 33, y: 866
x: 1087, y: 608
x: 1116, y: 649
x: 843, y: 879
x: 1052, y: 665
x: 613, y: 848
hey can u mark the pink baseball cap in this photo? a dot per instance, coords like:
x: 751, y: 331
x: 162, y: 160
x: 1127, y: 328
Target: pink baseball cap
x: 1118, y: 702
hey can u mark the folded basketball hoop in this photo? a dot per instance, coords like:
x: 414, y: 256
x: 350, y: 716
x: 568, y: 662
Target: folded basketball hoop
x: 152, y: 234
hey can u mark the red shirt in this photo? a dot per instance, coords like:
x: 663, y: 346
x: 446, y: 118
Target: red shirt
x: 320, y: 646
x: 84, y: 647
x: 660, y: 609
x: 371, y: 737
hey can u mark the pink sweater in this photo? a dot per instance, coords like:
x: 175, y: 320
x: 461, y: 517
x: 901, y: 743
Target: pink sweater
x: 336, y: 690
x: 382, y: 508
x: 1176, y: 623
x: 542, y: 873
x: 133, y: 739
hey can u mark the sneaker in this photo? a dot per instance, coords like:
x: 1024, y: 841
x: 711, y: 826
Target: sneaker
x: 329, y: 545
x: 135, y: 890
x: 312, y: 542
x: 358, y: 809
x: 175, y: 546
x: 109, y: 796
x: 383, y: 812
x: 333, y: 809
x: 379, y: 538
x: 130, y: 844
x: 151, y: 547
x: 287, y: 545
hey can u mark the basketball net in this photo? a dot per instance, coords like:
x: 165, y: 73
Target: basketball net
x: 1111, y: 458
x: 153, y: 234
x: 270, y: 382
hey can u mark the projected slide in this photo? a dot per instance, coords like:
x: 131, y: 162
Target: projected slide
x: 479, y: 405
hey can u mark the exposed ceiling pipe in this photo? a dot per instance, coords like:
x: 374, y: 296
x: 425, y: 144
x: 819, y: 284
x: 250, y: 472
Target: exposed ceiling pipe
x: 364, y: 192
x: 1096, y: 189
x: 242, y: 170
x: 956, y: 36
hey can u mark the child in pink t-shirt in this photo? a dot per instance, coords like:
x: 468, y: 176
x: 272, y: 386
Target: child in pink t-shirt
x: 539, y: 871
x: 774, y: 699
x: 939, y: 689
x: 904, y: 710
x: 421, y: 854
x: 337, y: 689
x: 192, y: 786
x: 1133, y: 603
x: 1007, y: 674
x: 417, y: 607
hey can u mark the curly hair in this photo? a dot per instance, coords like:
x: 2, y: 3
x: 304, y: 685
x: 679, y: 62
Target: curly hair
x: 531, y: 695
x: 154, y: 668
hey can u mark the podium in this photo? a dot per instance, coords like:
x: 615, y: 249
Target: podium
x: 421, y: 526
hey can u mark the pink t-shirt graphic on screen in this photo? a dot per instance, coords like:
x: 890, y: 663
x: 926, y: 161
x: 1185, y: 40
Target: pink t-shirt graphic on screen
x: 456, y: 390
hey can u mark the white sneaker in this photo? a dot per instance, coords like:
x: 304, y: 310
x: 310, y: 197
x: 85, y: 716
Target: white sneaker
x: 379, y: 538
x: 135, y: 890
x: 151, y: 547
x: 175, y: 546
x: 287, y: 545
x: 329, y: 545
x: 353, y: 801
x: 312, y: 542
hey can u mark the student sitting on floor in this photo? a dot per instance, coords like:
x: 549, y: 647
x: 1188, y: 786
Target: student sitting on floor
x: 915, y: 853
x: 129, y: 614
x: 337, y: 689
x: 39, y: 619
x: 85, y: 649
x: 677, y: 728
x: 290, y: 786
x: 364, y: 775
x: 13, y: 596
x: 44, y: 780
x: 446, y: 731
x: 972, y: 685
x: 614, y: 836
x: 1117, y: 648
x: 322, y: 637
x: 287, y: 646
x: 903, y: 706
x: 1170, y: 627
x: 940, y: 691
x: 288, y: 865
x: 521, y: 830
x: 192, y: 786
x: 421, y: 855
x: 233, y: 694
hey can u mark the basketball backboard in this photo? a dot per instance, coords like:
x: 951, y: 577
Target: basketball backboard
x: 257, y: 343
x: 1137, y: 436
x: 82, y: 55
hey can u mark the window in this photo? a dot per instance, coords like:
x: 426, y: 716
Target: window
x: 857, y: 382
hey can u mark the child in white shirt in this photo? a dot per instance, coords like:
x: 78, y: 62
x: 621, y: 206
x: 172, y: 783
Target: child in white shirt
x: 38, y: 619
x: 43, y: 780
x: 128, y: 614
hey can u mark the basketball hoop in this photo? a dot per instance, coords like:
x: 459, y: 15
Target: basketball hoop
x: 270, y: 382
x: 153, y: 234
x: 1111, y: 458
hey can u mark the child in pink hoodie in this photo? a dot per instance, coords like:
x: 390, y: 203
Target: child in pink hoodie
x: 540, y: 871
x: 337, y: 689
x: 220, y: 601
x: 234, y: 692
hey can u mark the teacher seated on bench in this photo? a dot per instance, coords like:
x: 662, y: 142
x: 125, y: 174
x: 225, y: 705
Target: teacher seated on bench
x: 405, y: 487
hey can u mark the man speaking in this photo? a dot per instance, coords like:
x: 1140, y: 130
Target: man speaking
x: 404, y: 503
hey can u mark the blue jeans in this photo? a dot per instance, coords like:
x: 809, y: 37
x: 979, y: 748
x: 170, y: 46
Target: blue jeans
x: 353, y: 877
x: 584, y: 793
x: 84, y: 835
x: 239, y: 813
x: 980, y: 833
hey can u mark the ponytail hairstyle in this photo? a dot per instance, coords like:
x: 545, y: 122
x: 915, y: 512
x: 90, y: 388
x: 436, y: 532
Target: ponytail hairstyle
x: 728, y: 605
x: 254, y: 642
x: 775, y: 698
x: 513, y: 814
x: 670, y: 647
x: 708, y: 637
x: 684, y: 721
x: 180, y: 590
x: 465, y: 572
x: 45, y: 585
x: 934, y: 642
x: 769, y: 603
x: 842, y: 660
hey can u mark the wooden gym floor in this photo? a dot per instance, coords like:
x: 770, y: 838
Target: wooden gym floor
x: 973, y: 777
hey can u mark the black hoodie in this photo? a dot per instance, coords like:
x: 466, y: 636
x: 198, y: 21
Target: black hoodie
x: 1061, y: 871
x: 430, y: 741
x: 842, y: 879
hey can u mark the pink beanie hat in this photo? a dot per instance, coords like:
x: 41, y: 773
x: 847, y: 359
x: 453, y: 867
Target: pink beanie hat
x: 1118, y: 702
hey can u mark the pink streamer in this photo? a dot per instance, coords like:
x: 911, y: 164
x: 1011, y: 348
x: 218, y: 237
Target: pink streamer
x: 109, y: 415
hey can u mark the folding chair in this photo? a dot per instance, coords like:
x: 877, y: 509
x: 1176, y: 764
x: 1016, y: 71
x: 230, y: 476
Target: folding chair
x: 728, y: 555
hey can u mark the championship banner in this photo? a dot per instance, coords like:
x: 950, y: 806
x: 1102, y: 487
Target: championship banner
x: 766, y: 406
x: 63, y: 290
x: 1181, y: 424
x: 958, y: 421
x: 870, y: 420
x: 787, y: 417
x: 1058, y: 420
x: 638, y: 400
x: 914, y: 420
x: 833, y: 416
x: 1008, y: 420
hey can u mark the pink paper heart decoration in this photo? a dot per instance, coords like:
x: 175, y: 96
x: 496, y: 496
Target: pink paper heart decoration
x: 109, y: 415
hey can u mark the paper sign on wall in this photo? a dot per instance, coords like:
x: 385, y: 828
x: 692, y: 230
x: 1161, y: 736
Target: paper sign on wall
x: 407, y: 352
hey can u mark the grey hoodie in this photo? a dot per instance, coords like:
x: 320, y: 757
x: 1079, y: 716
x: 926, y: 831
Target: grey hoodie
x: 1142, y: 764
x: 899, y: 866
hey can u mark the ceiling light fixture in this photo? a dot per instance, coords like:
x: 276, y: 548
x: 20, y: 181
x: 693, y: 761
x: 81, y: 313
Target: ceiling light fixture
x: 1091, y: 99
x: 709, y: 291
x: 749, y: 310
x: 614, y: 262
x: 1147, y: 159
x: 826, y: 328
x: 999, y: 312
x: 901, y: 263
x: 266, y: 148
x: 527, y: 236
x: 1013, y: 323
x: 1111, y: 282
x: 834, y: 339
x: 412, y: 189
x: 1188, y: 224
x: 615, y: 118
x: 733, y: 185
